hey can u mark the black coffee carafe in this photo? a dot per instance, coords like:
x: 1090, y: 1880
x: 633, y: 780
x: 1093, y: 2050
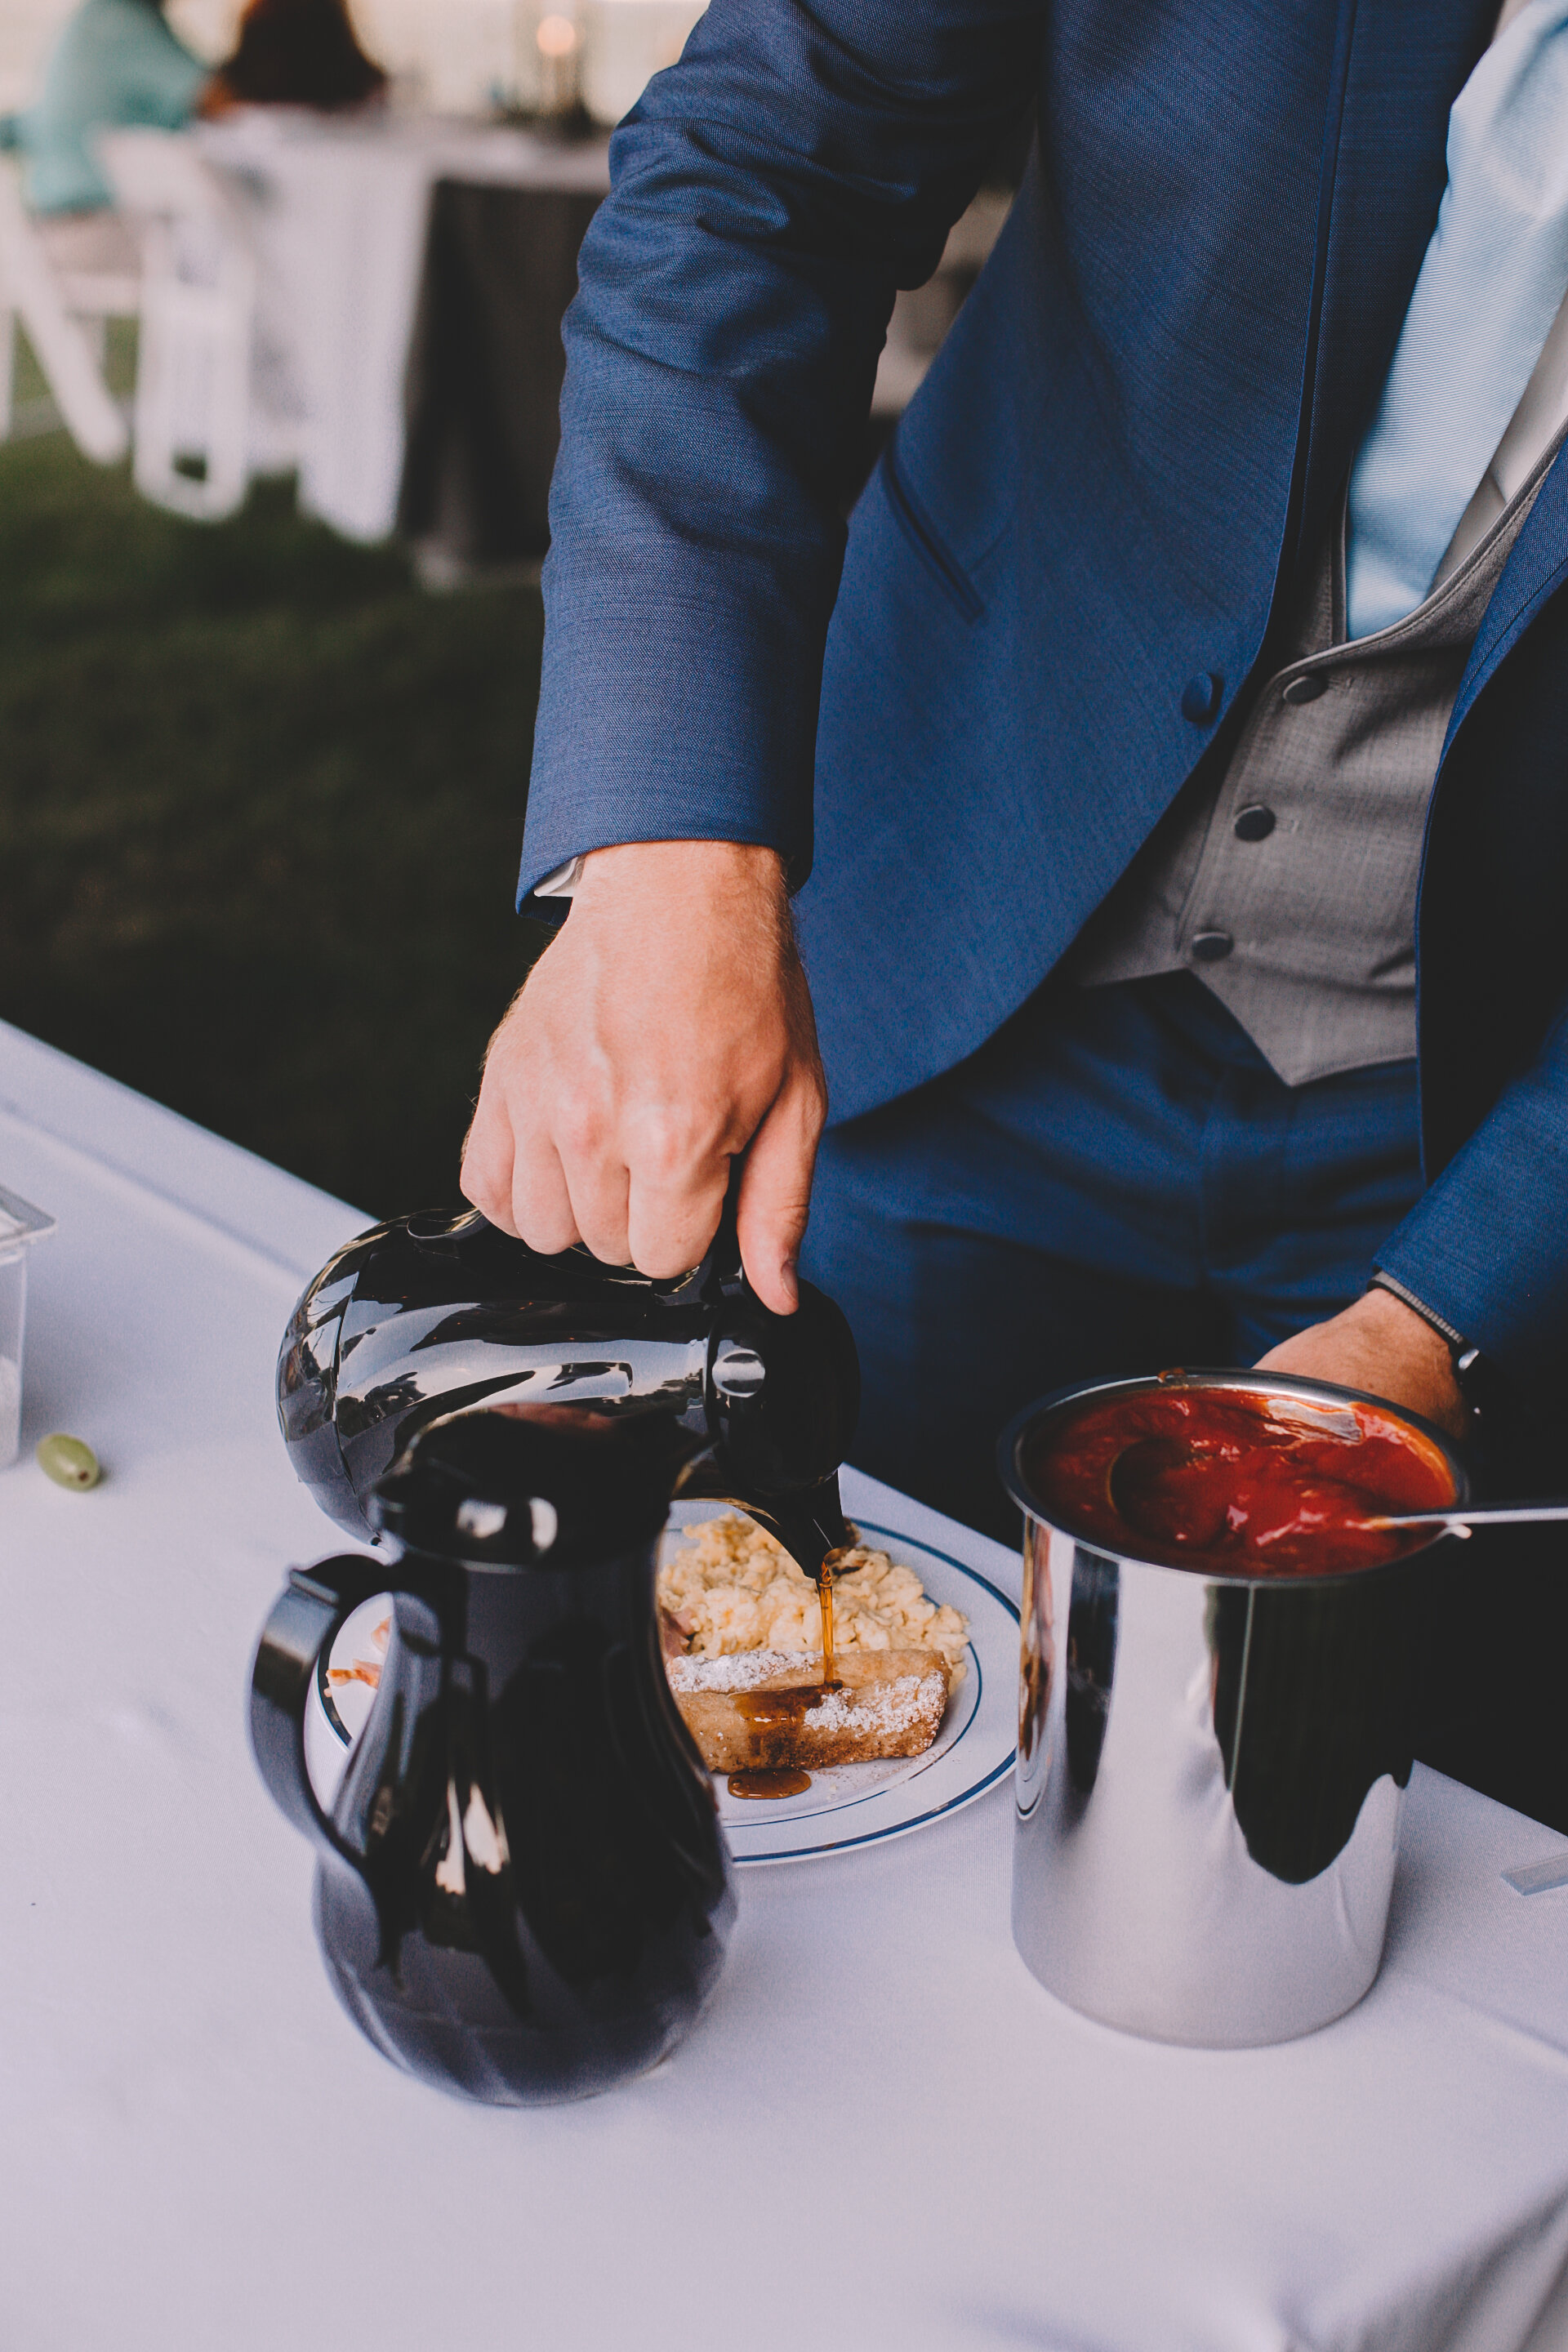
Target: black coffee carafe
x: 433, y: 1313
x: 523, y: 1891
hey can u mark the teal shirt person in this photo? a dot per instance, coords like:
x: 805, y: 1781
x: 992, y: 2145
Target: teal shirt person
x: 116, y: 63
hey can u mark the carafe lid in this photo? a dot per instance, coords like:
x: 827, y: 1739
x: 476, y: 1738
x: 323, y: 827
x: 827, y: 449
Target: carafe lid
x: 520, y: 1485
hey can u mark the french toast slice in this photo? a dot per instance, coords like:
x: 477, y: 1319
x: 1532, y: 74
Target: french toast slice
x: 765, y: 1710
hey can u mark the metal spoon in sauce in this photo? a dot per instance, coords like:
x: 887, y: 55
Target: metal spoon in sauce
x: 1151, y: 1453
x: 1137, y: 1460
x: 1482, y: 1514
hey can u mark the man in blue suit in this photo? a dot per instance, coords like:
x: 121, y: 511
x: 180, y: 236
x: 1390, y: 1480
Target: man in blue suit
x: 1185, y: 722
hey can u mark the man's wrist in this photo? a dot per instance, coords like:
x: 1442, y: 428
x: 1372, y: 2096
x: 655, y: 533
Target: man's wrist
x: 1482, y: 1386
x: 1380, y: 1346
x: 681, y: 870
x: 1391, y: 1283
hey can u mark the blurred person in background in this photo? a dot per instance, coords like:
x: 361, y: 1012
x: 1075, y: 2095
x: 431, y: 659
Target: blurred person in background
x: 115, y: 64
x: 298, y: 53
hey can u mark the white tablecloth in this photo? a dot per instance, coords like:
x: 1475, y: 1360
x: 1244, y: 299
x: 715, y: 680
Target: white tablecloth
x: 883, y: 2133
x: 338, y: 212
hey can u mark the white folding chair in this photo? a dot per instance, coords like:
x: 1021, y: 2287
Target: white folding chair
x: 197, y: 309
x: 50, y: 307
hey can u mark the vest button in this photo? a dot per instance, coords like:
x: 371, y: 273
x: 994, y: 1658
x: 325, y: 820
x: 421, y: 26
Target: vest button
x: 1306, y: 689
x: 1201, y: 697
x: 1254, y: 823
x: 1211, y: 946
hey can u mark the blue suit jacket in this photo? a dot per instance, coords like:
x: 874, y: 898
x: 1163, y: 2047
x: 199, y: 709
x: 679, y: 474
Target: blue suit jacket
x: 1140, y: 422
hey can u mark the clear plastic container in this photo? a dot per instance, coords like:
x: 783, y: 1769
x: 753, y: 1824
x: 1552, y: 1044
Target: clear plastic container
x: 20, y: 1225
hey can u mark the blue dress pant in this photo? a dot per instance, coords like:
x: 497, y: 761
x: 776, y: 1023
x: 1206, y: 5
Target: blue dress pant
x: 1116, y: 1182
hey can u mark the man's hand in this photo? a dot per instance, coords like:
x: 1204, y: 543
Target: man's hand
x: 665, y: 1029
x: 1382, y: 1345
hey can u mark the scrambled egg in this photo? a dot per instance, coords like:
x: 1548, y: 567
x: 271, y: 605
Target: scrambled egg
x: 733, y: 1587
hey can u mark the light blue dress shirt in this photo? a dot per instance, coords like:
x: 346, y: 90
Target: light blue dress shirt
x: 1491, y: 288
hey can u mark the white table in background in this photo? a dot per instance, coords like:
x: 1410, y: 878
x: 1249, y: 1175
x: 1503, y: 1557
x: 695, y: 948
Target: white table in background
x: 882, y: 2134
x: 338, y: 209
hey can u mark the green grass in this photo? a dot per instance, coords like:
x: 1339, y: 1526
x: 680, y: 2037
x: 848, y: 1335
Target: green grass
x: 260, y: 802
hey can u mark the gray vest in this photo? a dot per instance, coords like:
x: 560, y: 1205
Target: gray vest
x: 1289, y: 889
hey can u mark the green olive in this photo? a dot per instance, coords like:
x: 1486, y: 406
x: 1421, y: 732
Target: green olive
x: 68, y: 1461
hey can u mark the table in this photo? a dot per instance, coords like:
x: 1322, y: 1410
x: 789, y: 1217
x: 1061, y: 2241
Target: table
x: 338, y: 209
x: 485, y: 365
x: 883, y: 2132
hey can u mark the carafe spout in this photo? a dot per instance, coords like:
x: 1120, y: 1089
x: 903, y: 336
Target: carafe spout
x: 811, y: 1526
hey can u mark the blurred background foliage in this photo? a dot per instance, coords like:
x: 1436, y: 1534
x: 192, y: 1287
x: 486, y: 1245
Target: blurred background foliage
x: 260, y: 804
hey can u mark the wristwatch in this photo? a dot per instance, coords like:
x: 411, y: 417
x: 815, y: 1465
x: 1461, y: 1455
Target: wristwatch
x: 1480, y: 1383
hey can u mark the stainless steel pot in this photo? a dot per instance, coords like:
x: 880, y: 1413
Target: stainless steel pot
x: 1209, y: 1769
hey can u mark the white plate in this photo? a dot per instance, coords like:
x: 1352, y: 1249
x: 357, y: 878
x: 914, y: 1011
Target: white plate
x: 338, y: 1709
x: 864, y: 1804
x: 849, y: 1805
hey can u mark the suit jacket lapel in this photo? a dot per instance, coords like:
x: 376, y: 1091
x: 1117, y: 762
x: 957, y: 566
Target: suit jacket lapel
x: 1408, y: 61
x: 1535, y: 569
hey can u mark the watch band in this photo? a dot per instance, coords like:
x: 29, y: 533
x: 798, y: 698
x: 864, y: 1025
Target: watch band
x: 1478, y: 1377
x: 1445, y: 1330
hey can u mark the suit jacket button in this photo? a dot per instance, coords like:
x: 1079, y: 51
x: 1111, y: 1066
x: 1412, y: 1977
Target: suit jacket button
x: 1306, y: 688
x: 1201, y: 697
x: 1211, y: 946
x: 1254, y: 823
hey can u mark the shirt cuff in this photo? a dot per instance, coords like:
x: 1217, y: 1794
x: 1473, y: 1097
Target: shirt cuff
x: 562, y: 882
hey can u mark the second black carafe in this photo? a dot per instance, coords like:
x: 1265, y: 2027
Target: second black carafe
x: 522, y: 1891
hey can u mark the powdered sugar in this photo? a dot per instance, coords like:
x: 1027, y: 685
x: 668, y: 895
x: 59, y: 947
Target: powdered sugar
x: 863, y: 1711
x: 883, y: 1708
x: 738, y: 1670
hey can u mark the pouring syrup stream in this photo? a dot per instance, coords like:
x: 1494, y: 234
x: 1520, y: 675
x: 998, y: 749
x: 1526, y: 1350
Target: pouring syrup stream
x: 824, y: 1599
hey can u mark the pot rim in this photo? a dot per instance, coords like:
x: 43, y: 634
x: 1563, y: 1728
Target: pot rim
x: 1254, y: 1383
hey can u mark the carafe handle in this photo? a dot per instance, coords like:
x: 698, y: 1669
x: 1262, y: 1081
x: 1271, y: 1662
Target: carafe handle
x: 304, y: 1620
x: 721, y: 1270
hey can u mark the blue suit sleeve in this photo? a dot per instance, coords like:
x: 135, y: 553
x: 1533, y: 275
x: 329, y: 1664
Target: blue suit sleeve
x: 769, y: 195
x: 1486, y: 1246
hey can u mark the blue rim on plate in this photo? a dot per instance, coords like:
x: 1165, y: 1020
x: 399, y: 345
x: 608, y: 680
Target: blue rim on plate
x: 741, y: 1831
